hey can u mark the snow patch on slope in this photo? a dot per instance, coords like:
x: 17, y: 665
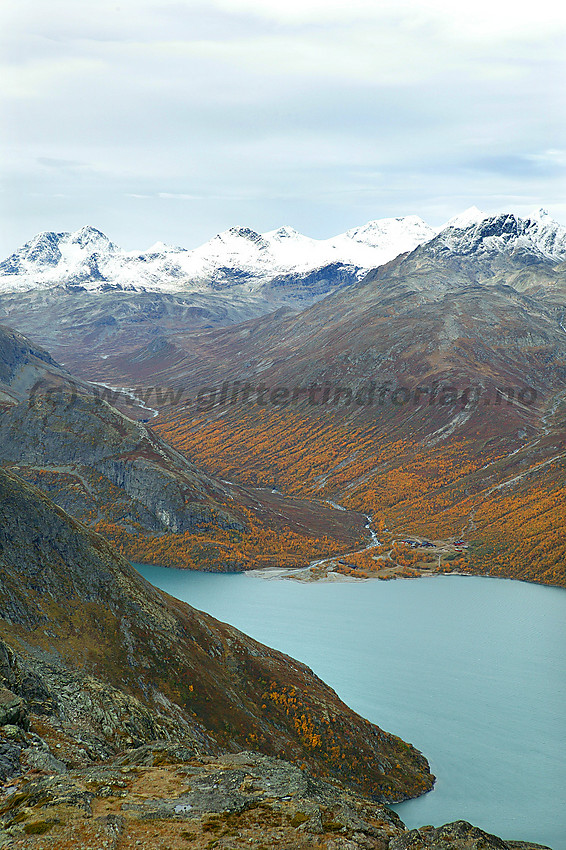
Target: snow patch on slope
x: 465, y: 219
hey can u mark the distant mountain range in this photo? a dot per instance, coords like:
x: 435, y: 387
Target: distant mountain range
x: 79, y: 294
x: 238, y: 258
x: 479, y: 307
x: 241, y: 260
x: 464, y: 343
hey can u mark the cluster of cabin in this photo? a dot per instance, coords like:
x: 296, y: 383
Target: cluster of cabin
x: 418, y: 544
x: 426, y: 544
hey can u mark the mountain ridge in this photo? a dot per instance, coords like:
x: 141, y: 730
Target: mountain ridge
x: 455, y: 343
x: 242, y: 259
x: 479, y: 308
x: 104, y: 301
x: 238, y: 256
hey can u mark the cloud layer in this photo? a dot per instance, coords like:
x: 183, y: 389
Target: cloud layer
x: 173, y: 120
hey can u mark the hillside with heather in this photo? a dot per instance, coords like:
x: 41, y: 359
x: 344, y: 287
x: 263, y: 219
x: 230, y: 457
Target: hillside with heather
x: 72, y: 601
x: 462, y: 348
x: 118, y: 476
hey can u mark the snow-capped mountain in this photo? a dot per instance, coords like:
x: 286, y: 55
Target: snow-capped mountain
x: 465, y: 219
x: 82, y: 296
x: 238, y: 257
x: 539, y: 235
x: 281, y: 265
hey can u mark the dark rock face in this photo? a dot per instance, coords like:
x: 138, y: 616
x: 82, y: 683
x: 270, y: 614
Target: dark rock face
x: 316, y: 283
x: 9, y: 759
x: 459, y: 835
x: 66, y: 431
x: 16, y: 352
x: 53, y: 422
x: 43, y: 249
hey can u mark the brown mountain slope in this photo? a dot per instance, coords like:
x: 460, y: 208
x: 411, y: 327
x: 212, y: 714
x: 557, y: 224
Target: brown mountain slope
x: 68, y: 602
x: 114, y: 320
x: 118, y: 475
x: 465, y: 433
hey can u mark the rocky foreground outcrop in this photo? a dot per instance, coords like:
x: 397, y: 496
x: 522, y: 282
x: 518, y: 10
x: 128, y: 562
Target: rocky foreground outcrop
x: 168, y: 796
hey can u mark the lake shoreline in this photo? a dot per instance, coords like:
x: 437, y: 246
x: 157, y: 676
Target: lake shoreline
x: 288, y: 574
x: 471, y: 673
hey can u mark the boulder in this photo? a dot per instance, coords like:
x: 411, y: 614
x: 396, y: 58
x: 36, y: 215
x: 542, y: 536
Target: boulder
x: 12, y: 709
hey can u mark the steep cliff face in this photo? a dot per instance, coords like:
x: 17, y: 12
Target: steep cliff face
x: 69, y: 432
x: 17, y: 352
x: 51, y: 422
x: 67, y: 599
x: 110, y: 471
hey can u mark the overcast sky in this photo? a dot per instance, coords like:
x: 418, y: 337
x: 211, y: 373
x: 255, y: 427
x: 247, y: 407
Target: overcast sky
x: 175, y: 120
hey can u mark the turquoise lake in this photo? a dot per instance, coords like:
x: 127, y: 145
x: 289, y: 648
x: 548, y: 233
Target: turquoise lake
x: 470, y: 670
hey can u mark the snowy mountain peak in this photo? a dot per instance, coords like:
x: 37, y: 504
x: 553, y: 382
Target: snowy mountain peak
x: 90, y: 237
x: 284, y: 232
x: 246, y: 262
x: 243, y: 232
x: 408, y: 228
x: 43, y: 249
x: 465, y: 219
x: 539, y: 235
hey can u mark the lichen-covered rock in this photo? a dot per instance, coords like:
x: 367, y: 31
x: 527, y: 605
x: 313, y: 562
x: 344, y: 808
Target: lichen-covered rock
x: 39, y: 758
x: 12, y: 708
x: 166, y: 795
x: 9, y: 758
x: 459, y: 835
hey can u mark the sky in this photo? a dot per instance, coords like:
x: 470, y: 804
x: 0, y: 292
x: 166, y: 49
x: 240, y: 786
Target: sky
x: 173, y: 121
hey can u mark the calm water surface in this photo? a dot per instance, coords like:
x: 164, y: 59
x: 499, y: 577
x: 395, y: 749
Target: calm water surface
x: 470, y: 670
